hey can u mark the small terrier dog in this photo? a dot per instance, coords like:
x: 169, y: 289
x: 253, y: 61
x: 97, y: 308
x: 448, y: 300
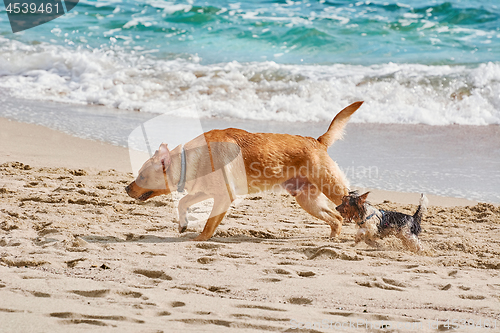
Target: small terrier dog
x: 374, y: 223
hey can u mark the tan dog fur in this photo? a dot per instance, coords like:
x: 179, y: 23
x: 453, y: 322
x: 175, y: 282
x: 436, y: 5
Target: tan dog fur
x: 299, y: 164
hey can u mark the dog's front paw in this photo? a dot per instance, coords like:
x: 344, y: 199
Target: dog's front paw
x: 183, y: 223
x: 334, y: 234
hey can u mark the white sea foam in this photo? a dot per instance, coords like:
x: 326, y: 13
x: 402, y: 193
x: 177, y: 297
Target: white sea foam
x: 394, y: 93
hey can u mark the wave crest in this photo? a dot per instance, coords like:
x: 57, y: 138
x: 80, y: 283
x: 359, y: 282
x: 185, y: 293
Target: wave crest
x: 394, y: 93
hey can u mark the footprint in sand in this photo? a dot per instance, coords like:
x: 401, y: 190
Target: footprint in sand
x: 23, y: 262
x: 177, y: 304
x: 205, y: 260
x: 218, y: 289
x: 447, y: 287
x: 394, y: 282
x: 153, y: 274
x: 208, y: 246
x: 74, y: 262
x: 235, y: 255
x: 91, y: 293
x: 270, y: 280
x: 204, y: 322
x: 39, y: 294
x: 472, y: 297
x: 259, y: 307
x: 387, y: 284
x: 11, y: 310
x: 282, y: 271
x: 300, y: 300
x: 78, y: 172
x: 203, y: 313
x: 76, y: 318
x: 325, y: 252
x: 128, y: 293
x: 163, y: 313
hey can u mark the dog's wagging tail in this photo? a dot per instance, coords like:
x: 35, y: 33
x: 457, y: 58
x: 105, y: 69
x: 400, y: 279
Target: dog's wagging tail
x: 336, y: 130
x: 222, y: 164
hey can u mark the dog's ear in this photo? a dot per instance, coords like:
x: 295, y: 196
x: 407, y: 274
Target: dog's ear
x: 362, y: 198
x: 164, y: 154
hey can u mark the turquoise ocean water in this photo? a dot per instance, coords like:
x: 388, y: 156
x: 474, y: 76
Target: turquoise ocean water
x: 271, y: 66
x: 432, y: 62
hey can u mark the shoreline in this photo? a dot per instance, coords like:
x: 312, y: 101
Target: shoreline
x: 435, y: 160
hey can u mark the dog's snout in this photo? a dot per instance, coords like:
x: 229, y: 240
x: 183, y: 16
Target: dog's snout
x: 130, y: 188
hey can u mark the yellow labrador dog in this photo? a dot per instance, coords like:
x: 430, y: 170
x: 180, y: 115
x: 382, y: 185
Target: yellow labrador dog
x: 222, y: 164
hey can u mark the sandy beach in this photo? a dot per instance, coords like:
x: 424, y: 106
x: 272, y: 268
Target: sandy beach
x: 78, y: 254
x: 102, y: 77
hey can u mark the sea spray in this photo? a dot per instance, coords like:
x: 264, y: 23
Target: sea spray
x: 394, y: 93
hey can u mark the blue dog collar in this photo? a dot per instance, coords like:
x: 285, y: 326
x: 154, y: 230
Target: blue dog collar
x: 182, y: 180
x: 370, y: 216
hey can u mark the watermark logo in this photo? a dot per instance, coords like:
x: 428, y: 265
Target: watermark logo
x: 26, y: 14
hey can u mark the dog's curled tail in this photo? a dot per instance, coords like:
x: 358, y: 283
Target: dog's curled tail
x: 422, y: 207
x: 336, y: 129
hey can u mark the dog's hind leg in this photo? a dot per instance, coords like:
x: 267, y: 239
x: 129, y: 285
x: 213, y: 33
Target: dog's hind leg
x: 185, y: 203
x: 331, y: 182
x: 411, y: 242
x: 315, y: 203
x: 373, y: 243
x: 360, y: 235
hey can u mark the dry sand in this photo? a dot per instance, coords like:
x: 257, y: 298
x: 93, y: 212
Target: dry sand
x: 78, y: 254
